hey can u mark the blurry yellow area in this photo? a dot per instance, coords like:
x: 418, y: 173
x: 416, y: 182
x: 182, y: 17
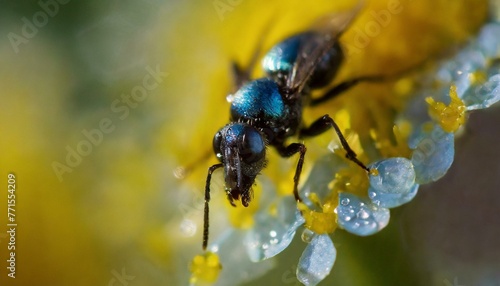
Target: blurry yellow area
x: 51, y: 237
x: 120, y: 207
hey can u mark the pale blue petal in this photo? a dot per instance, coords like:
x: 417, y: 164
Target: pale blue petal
x: 237, y: 267
x: 317, y: 260
x: 392, y: 200
x: 433, y: 156
x: 484, y: 95
x: 272, y: 234
x: 489, y: 40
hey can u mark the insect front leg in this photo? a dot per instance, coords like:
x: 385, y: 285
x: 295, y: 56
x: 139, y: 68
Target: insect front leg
x: 289, y: 151
x: 207, y: 200
x: 323, y: 124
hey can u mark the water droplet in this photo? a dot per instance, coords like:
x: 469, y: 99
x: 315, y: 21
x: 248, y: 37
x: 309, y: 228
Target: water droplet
x: 272, y: 233
x: 396, y: 175
x: 363, y: 214
x: 307, y: 235
x: 392, y: 200
x: 361, y: 217
x: 345, y: 201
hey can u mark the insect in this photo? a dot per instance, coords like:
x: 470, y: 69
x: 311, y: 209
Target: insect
x: 267, y: 111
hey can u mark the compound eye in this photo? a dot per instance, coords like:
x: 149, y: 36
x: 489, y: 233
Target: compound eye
x: 216, y: 145
x: 252, y: 148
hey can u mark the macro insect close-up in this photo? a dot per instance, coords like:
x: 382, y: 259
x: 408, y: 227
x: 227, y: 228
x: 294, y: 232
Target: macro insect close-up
x: 232, y: 142
x: 267, y: 111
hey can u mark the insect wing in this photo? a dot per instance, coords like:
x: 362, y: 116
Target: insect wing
x: 326, y: 32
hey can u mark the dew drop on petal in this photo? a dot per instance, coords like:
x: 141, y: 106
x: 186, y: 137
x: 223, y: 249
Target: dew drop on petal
x: 395, y: 184
x: 307, y: 235
x: 272, y: 234
x: 363, y: 214
x: 345, y: 201
x: 368, y: 219
x: 395, y: 175
x: 388, y: 200
x: 229, y: 247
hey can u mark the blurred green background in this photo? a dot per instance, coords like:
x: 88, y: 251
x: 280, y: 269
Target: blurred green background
x: 147, y: 80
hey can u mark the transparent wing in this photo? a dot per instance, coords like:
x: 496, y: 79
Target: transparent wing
x: 327, y: 31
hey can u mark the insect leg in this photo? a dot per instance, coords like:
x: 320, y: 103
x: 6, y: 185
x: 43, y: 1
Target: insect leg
x: 207, y: 199
x: 289, y: 151
x: 344, y: 86
x: 348, y: 84
x: 324, y: 123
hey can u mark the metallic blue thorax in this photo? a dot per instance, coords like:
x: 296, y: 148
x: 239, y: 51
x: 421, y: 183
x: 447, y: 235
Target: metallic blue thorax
x: 258, y: 100
x: 261, y: 104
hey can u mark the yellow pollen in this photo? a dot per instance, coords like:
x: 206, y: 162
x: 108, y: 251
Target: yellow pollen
x: 450, y: 117
x: 205, y: 268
